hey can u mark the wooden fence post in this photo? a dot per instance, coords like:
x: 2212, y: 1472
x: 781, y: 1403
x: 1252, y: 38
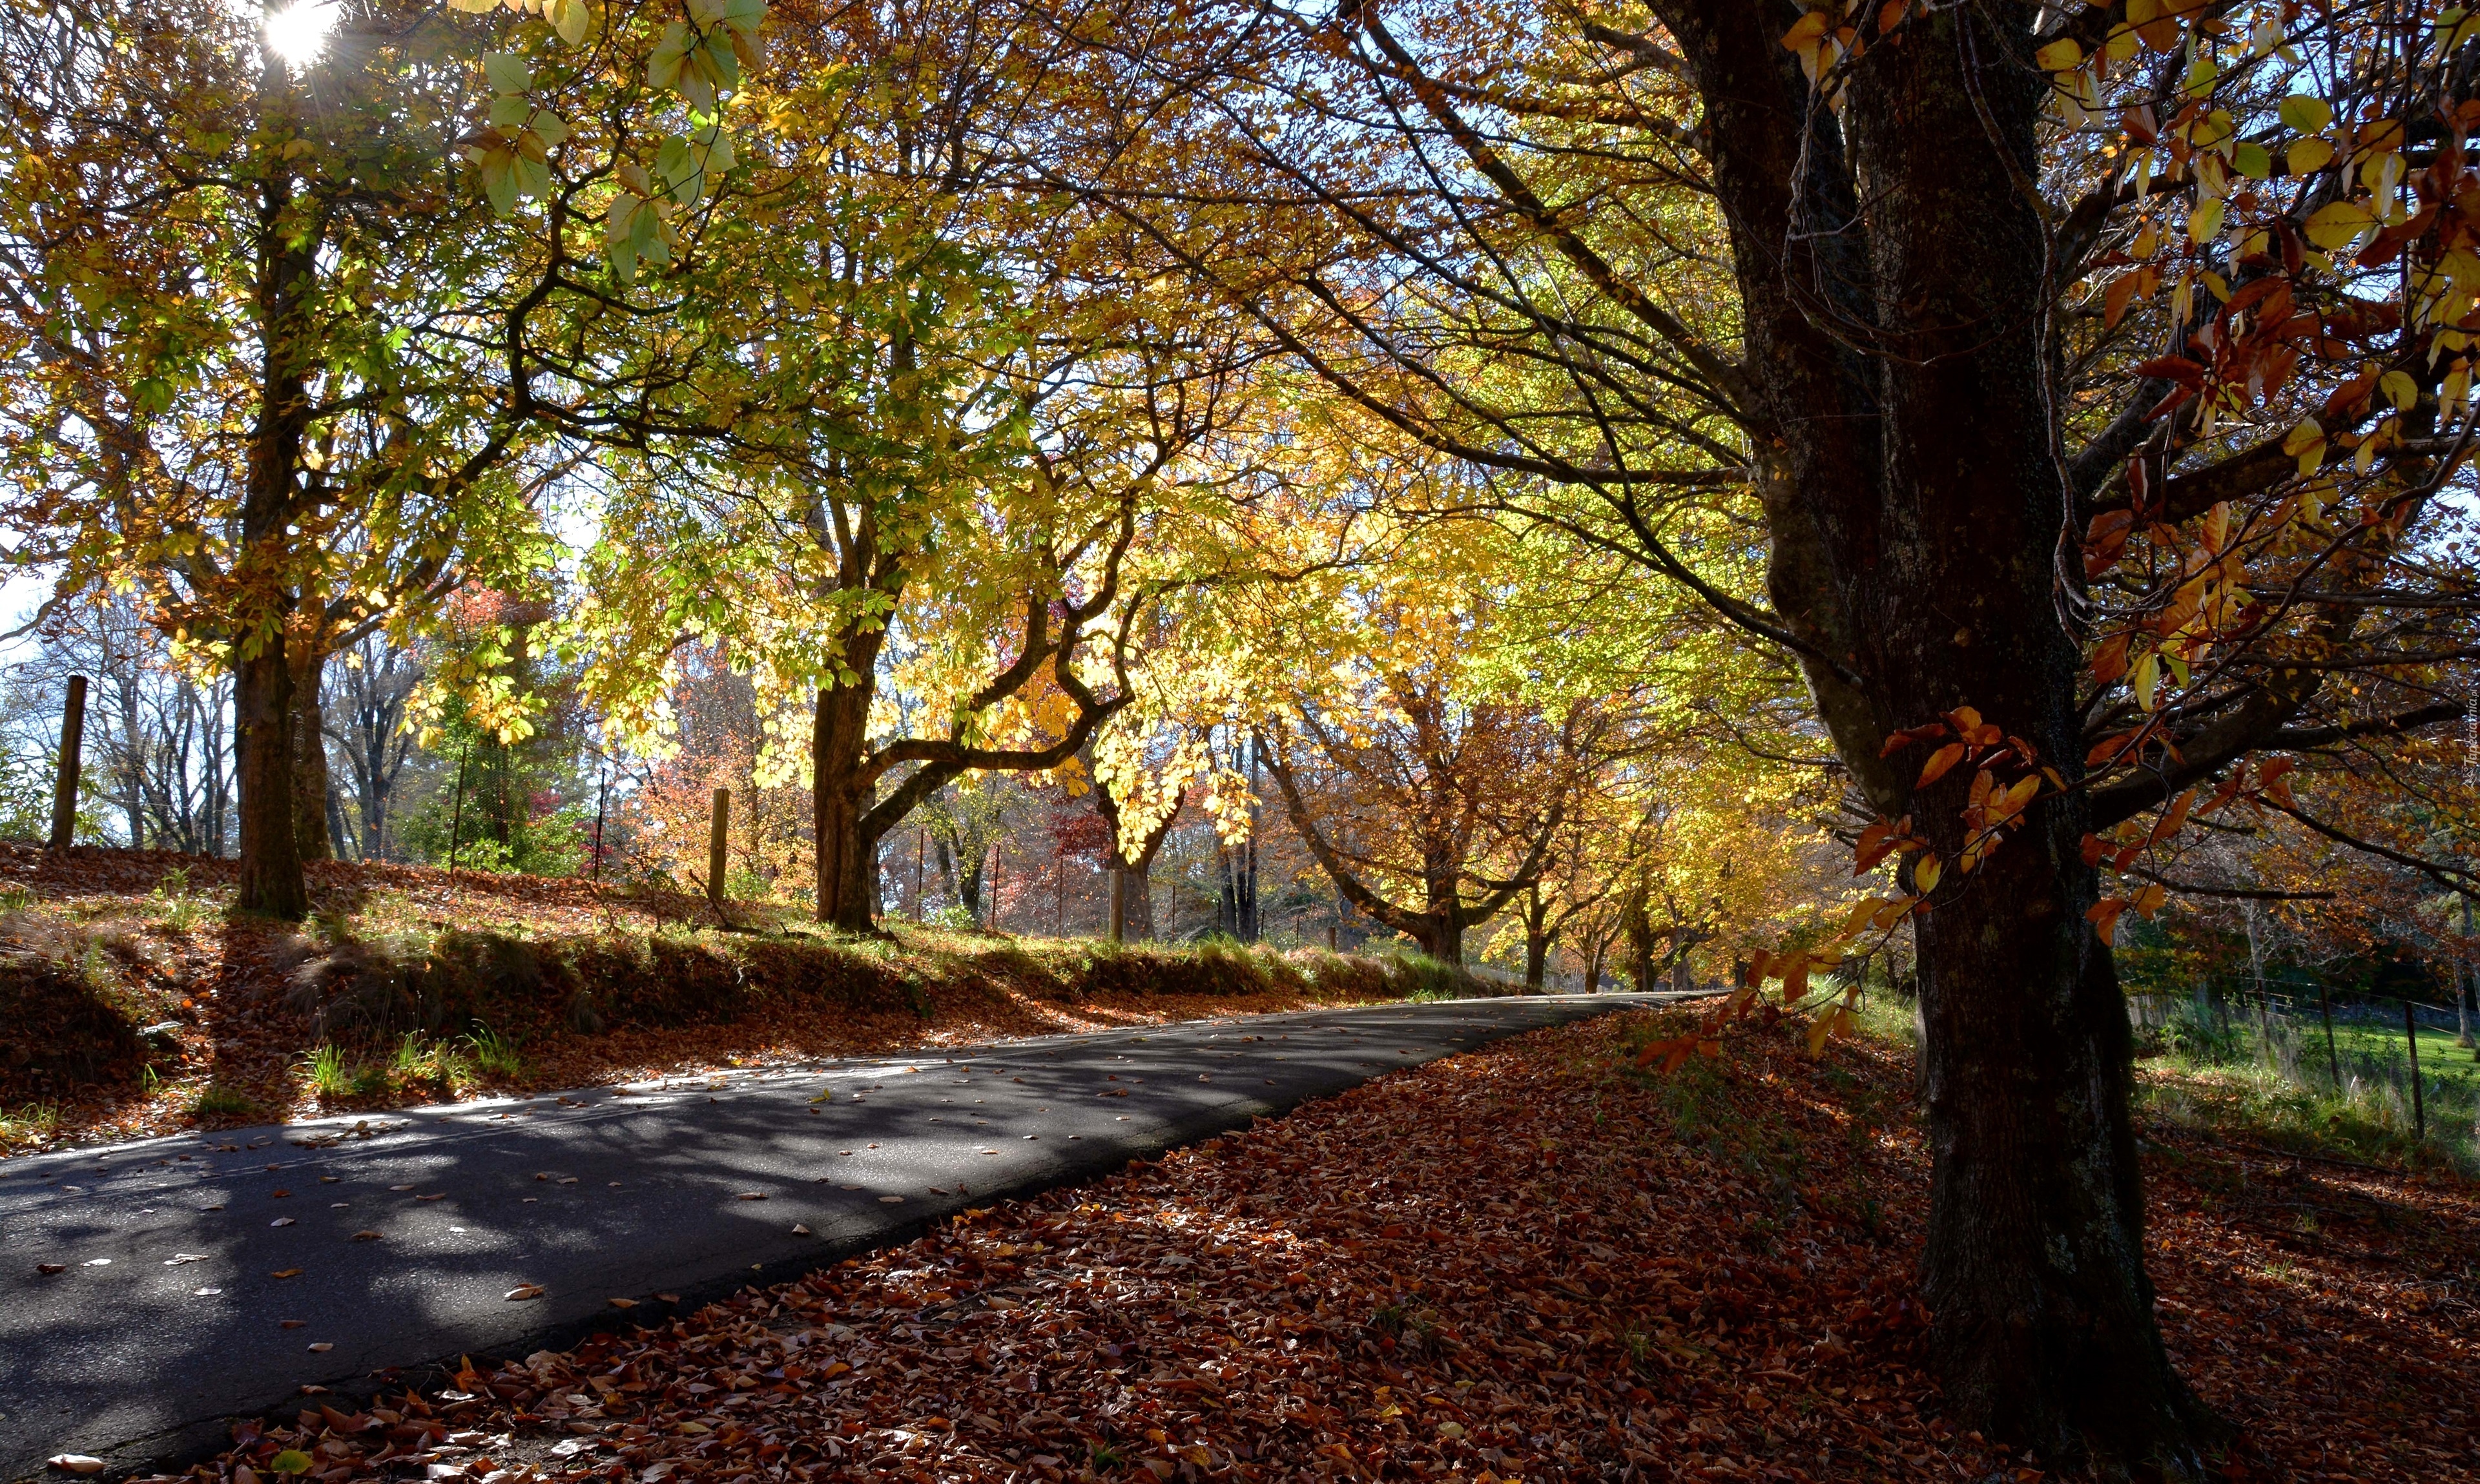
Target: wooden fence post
x: 73, y: 743
x: 718, y: 835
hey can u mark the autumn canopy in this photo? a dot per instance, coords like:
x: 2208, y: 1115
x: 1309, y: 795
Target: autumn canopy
x: 1737, y: 491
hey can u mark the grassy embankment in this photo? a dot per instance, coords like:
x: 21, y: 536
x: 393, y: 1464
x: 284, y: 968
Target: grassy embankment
x: 133, y: 1000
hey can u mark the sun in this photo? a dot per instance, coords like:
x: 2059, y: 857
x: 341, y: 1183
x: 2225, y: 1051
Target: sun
x: 299, y: 34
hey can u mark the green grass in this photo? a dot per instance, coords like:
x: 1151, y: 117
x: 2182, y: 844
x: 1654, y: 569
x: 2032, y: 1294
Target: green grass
x: 2221, y: 1076
x: 216, y: 1101
x: 34, y: 1123
x: 2227, y: 1076
x: 2439, y: 1055
x: 331, y: 1075
x: 495, y: 1054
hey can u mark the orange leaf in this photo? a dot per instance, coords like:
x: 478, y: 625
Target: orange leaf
x: 2109, y: 661
x: 1909, y: 735
x: 2095, y: 847
x: 1875, y: 842
x: 2103, y: 915
x: 2108, y: 748
x: 1941, y: 760
x: 2115, y: 299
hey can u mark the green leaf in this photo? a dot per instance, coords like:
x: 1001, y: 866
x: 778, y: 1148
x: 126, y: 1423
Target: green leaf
x: 664, y: 63
x: 510, y: 110
x: 549, y: 128
x: 499, y: 180
x: 2306, y: 114
x: 679, y: 167
x: 570, y: 18
x: 507, y: 72
x: 2252, y: 159
x: 290, y: 1461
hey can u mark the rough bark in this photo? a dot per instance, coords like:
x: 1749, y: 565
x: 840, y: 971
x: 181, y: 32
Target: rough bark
x: 1922, y: 559
x: 1132, y: 902
x: 309, y: 744
x: 840, y: 795
x: 270, y: 879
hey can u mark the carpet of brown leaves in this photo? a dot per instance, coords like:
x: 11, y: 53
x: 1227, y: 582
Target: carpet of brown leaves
x: 234, y: 1039
x: 1526, y: 1263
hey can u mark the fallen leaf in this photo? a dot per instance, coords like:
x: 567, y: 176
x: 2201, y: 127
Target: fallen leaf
x: 289, y: 1272
x: 323, y: 1346
x: 399, y: 1187
x: 523, y: 1292
x: 98, y: 1262
x: 291, y: 1324
x: 48, y: 1269
x: 441, y: 1196
x: 752, y: 1195
x: 622, y: 1303
x: 890, y: 1200
x: 290, y: 1461
x: 366, y: 1236
x: 281, y: 1222
x: 76, y: 1463
x: 798, y: 1229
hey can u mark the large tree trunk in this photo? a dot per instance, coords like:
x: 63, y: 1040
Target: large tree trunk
x: 1938, y: 567
x: 838, y: 797
x: 1915, y: 499
x: 270, y: 879
x: 309, y: 744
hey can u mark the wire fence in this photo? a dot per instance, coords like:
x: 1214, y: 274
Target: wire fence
x: 2320, y: 1060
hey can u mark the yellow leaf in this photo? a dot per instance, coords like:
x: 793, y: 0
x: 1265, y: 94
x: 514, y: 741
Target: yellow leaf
x: 2399, y: 389
x: 2148, y: 679
x: 1925, y: 874
x: 2307, y: 157
x: 2059, y: 56
x: 2206, y: 220
x: 2337, y: 225
x: 1805, y: 32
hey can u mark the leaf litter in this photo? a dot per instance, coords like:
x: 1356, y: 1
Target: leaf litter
x: 1531, y: 1262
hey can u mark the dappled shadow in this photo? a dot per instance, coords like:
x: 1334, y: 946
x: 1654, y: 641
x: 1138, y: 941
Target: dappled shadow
x: 686, y: 1190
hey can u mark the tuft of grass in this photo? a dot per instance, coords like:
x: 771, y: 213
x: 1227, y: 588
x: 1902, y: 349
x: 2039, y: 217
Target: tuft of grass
x: 176, y: 905
x: 218, y: 1101
x: 34, y: 1123
x: 329, y: 1074
x: 494, y: 1053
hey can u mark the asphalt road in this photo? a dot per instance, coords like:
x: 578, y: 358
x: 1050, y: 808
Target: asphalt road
x: 210, y: 1276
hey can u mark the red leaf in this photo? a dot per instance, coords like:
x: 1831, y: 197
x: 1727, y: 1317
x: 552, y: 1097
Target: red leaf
x: 2173, y: 368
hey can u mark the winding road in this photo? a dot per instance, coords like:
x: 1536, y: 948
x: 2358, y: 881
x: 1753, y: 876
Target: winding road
x: 150, y: 1291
